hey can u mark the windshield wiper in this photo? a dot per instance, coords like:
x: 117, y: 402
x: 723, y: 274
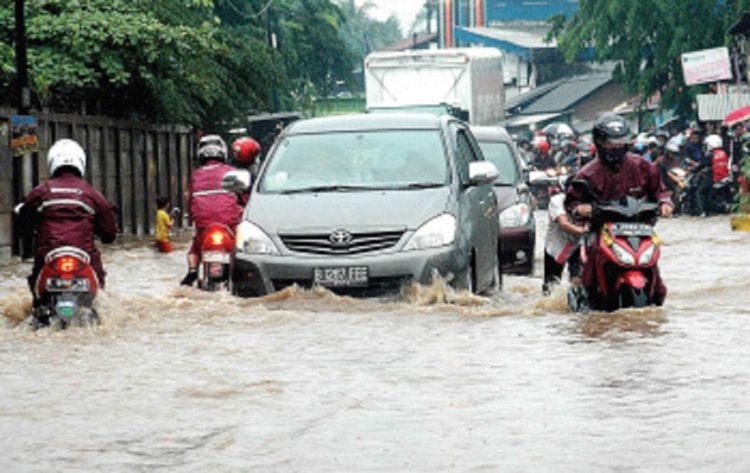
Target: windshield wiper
x: 336, y: 188
x: 418, y: 185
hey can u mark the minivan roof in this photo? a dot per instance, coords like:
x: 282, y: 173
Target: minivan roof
x: 368, y: 122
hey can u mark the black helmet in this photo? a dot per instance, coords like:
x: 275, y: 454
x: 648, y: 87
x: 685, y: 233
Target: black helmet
x: 612, y: 137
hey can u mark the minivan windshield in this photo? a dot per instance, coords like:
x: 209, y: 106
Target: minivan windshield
x: 362, y: 160
x: 501, y: 155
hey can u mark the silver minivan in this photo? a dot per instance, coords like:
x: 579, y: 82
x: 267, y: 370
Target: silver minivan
x: 367, y: 203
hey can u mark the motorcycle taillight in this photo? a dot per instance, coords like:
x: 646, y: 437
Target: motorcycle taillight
x: 217, y: 238
x: 67, y: 264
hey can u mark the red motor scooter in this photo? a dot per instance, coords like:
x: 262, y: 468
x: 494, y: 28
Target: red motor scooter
x: 65, y: 290
x: 216, y: 253
x: 627, y: 251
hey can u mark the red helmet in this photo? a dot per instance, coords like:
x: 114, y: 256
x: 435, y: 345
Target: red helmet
x: 543, y: 146
x: 245, y: 150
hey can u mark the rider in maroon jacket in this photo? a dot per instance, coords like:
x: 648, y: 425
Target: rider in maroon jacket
x: 613, y: 175
x: 208, y: 202
x: 67, y: 211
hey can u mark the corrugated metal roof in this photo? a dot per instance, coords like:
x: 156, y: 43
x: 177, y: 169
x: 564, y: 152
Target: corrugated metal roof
x: 568, y: 93
x: 713, y: 108
x: 530, y: 96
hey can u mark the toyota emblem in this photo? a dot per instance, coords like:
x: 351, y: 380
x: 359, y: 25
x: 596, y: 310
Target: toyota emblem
x: 340, y: 238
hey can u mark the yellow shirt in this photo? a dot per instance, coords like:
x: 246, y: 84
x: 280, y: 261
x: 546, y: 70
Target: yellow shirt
x: 163, y: 223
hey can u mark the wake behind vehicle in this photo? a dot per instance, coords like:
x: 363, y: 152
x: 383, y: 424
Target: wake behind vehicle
x: 517, y: 223
x: 66, y: 288
x: 364, y: 204
x: 629, y: 250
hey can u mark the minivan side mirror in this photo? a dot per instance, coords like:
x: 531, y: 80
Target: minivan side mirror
x: 236, y: 181
x: 482, y: 172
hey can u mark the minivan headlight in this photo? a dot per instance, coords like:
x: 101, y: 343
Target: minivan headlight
x: 251, y: 239
x: 440, y: 231
x: 515, y: 216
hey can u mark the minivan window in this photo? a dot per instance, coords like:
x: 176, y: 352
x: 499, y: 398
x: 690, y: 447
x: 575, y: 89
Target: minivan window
x: 395, y: 159
x: 501, y: 155
x: 465, y: 156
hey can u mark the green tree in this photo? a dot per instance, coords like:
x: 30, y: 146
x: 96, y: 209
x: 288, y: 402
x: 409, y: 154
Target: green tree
x: 362, y: 33
x: 203, y: 62
x: 646, y: 38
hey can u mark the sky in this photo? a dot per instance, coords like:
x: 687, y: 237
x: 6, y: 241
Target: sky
x: 405, y: 10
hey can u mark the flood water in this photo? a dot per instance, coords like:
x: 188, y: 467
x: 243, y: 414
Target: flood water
x: 179, y: 380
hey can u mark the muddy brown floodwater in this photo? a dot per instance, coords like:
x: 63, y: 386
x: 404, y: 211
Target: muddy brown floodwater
x: 179, y: 380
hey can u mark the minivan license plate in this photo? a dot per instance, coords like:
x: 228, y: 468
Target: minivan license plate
x: 351, y: 276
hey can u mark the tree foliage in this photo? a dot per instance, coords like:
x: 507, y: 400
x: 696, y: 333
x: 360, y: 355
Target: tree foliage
x: 646, y: 38
x: 362, y: 33
x: 190, y: 61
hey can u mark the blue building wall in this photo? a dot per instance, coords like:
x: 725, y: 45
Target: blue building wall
x: 532, y: 10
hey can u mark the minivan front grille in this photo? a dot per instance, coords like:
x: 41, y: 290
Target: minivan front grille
x: 355, y: 243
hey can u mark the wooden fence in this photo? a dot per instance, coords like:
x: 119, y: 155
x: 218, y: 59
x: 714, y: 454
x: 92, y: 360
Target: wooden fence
x: 130, y: 163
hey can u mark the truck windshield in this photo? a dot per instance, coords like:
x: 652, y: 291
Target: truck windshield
x: 501, y: 156
x: 346, y: 161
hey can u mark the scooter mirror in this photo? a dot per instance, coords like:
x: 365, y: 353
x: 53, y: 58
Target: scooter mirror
x: 236, y: 181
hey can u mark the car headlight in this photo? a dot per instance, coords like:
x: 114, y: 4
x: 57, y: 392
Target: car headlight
x: 440, y: 231
x: 623, y: 255
x: 647, y: 255
x: 251, y: 239
x: 515, y: 216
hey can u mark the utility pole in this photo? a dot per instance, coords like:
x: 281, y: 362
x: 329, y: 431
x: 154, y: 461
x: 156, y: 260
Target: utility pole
x: 23, y: 96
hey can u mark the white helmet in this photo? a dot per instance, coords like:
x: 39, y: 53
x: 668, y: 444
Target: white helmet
x: 212, y: 147
x: 66, y: 152
x: 713, y: 141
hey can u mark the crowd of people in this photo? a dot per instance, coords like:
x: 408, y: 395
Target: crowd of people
x: 701, y: 169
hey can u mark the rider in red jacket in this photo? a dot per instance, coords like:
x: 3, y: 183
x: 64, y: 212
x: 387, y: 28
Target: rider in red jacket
x: 615, y: 174
x: 67, y: 211
x: 208, y: 202
x: 719, y: 158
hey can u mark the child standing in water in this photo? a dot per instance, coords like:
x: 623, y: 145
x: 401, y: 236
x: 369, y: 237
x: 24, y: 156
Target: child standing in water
x: 164, y: 223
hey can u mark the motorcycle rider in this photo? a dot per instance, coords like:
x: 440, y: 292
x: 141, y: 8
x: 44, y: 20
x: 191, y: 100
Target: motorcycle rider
x: 543, y: 159
x: 718, y: 196
x: 208, y: 202
x: 67, y: 211
x: 614, y: 174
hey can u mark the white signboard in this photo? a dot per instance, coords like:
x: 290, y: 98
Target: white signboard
x: 709, y: 65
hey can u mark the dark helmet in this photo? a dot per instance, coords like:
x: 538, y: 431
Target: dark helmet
x: 612, y: 137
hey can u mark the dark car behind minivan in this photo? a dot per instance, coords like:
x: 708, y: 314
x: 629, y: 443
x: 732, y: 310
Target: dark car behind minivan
x: 517, y: 224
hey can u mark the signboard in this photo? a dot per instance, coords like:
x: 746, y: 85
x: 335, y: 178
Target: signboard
x: 23, y: 137
x: 709, y: 65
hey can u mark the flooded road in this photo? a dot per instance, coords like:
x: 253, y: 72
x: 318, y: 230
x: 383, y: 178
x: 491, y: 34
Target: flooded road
x: 179, y: 380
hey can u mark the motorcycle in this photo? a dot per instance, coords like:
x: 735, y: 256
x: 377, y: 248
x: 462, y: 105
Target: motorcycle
x: 216, y: 251
x: 628, y: 252
x: 65, y: 290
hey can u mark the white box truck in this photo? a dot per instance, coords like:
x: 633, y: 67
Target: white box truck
x: 468, y: 81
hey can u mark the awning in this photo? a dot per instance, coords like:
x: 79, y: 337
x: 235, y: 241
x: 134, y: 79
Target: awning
x: 523, y: 120
x: 713, y: 108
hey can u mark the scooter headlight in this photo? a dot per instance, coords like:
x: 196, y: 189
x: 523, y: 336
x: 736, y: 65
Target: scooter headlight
x: 647, y: 255
x: 251, y: 239
x: 623, y: 255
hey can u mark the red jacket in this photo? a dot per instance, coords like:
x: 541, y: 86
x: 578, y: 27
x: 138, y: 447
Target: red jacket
x: 67, y: 211
x: 635, y: 177
x: 208, y: 203
x: 719, y: 165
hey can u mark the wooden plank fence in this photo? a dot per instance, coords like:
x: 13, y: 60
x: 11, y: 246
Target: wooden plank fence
x: 130, y: 163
